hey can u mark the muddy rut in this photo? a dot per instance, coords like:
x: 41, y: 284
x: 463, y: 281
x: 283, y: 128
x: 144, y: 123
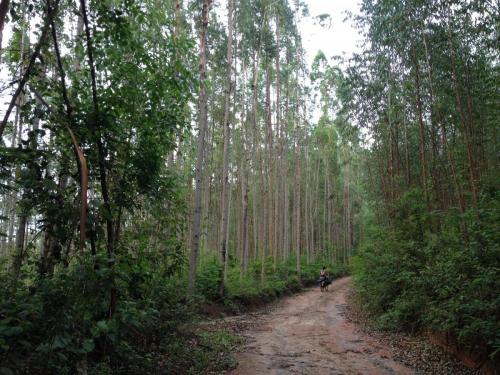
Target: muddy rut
x: 309, y: 334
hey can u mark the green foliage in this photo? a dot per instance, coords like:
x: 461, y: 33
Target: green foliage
x: 205, y: 353
x: 430, y: 256
x: 254, y: 288
x: 410, y: 278
x: 208, y: 279
x: 122, y: 84
x: 55, y: 323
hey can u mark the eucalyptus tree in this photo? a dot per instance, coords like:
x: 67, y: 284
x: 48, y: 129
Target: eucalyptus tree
x: 424, y: 33
x: 423, y: 91
x: 202, y: 129
x: 227, y: 127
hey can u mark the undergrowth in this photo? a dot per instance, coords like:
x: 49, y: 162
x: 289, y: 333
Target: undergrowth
x: 256, y: 287
x: 412, y: 277
x: 63, y: 324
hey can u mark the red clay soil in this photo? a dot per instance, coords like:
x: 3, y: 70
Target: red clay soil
x: 309, y: 334
x: 470, y: 359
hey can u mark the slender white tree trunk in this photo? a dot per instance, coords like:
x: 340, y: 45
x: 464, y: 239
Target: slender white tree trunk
x: 202, y: 132
x: 227, y: 140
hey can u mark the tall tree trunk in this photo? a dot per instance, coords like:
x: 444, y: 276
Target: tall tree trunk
x: 286, y: 195
x: 306, y: 206
x: 177, y: 29
x: 418, y: 101
x: 244, y: 228
x: 407, y: 151
x: 20, y: 235
x: 278, y: 154
x: 319, y: 244
x: 434, y: 170
x: 23, y: 214
x: 202, y: 131
x: 227, y: 140
x: 269, y: 211
x: 102, y: 154
x: 263, y: 210
x: 297, y: 185
x: 466, y: 130
x: 259, y: 246
x: 436, y: 114
x: 207, y: 212
x: 81, y: 161
x: 245, y: 146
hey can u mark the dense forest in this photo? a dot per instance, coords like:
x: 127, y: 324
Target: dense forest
x: 426, y: 87
x: 157, y: 157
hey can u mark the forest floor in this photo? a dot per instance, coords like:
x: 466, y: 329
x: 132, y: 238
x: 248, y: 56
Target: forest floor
x: 318, y: 333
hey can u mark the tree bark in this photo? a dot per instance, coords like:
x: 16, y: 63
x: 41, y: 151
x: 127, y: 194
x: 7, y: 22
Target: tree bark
x: 202, y: 131
x: 81, y: 160
x: 444, y: 138
x: 466, y: 130
x: 286, y: 194
x: 269, y: 211
x: 227, y: 140
x: 418, y: 101
x: 244, y: 180
x: 100, y: 147
x: 297, y: 192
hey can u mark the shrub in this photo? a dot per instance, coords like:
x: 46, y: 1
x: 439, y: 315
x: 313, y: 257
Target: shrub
x: 410, y: 277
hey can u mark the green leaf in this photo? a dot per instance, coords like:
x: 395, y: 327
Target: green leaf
x: 60, y: 342
x: 88, y: 345
x: 10, y: 331
x: 102, y: 325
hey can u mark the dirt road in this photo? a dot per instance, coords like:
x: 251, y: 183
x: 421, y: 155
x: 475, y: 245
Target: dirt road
x: 308, y: 334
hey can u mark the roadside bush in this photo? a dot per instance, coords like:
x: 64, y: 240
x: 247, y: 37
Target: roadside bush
x: 410, y: 277
x: 62, y: 324
x: 253, y: 288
